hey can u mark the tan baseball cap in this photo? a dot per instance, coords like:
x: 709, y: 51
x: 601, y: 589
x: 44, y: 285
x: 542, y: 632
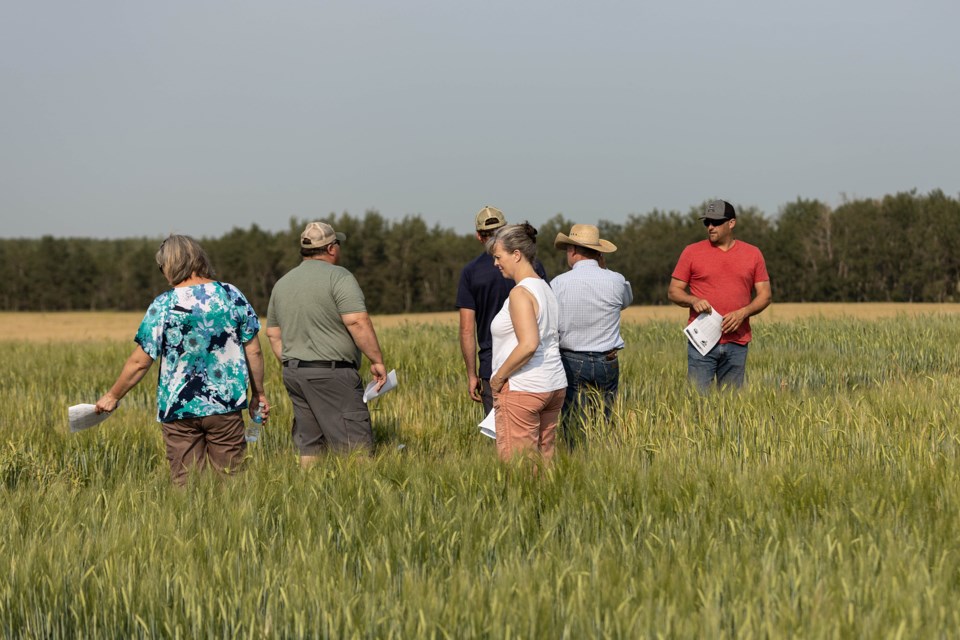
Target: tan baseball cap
x: 490, y: 218
x: 319, y: 234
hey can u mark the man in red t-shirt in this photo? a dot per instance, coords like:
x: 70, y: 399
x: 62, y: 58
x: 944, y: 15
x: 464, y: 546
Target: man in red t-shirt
x: 726, y: 275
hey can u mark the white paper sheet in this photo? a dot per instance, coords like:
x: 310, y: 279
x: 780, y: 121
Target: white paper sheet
x: 370, y: 392
x: 704, y: 332
x: 488, y: 427
x: 84, y: 416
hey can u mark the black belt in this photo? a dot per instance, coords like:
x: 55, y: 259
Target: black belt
x: 319, y: 364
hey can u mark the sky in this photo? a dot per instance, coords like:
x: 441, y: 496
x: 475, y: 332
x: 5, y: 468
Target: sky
x: 128, y: 118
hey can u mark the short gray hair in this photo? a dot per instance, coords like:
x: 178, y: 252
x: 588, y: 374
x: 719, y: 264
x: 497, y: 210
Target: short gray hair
x: 514, y: 237
x: 180, y: 257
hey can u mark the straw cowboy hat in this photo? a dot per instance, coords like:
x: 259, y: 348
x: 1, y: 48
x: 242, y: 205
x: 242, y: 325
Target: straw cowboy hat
x: 584, y: 235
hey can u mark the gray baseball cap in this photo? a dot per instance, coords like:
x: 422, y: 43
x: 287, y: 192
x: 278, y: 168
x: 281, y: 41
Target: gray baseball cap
x: 719, y: 210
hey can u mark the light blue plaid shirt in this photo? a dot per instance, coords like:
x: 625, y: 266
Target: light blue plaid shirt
x: 590, y: 301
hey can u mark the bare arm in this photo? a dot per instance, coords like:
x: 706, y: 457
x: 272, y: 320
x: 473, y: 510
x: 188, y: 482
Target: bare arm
x: 365, y: 337
x: 133, y: 371
x: 468, y: 347
x: 276, y: 343
x: 255, y: 365
x: 762, y: 298
x: 678, y: 295
x: 523, y: 314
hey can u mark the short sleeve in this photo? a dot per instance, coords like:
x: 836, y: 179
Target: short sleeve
x: 465, y: 299
x: 150, y: 333
x: 272, y: 320
x: 682, y: 270
x: 347, y: 294
x: 760, y: 270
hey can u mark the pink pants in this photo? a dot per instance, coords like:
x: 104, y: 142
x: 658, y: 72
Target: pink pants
x: 526, y: 421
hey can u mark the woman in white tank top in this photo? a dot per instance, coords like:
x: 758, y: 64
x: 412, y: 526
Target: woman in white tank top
x: 528, y: 380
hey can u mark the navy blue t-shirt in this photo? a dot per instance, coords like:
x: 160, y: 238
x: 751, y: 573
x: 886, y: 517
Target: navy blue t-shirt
x: 484, y: 289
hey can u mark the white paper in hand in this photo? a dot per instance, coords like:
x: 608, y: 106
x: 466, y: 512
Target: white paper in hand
x: 84, y: 416
x: 704, y: 332
x: 489, y: 427
x: 370, y: 392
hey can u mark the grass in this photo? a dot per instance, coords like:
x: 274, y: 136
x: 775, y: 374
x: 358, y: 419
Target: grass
x: 823, y: 501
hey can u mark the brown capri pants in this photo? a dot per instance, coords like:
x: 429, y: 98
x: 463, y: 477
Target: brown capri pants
x: 192, y: 441
x: 328, y: 409
x: 526, y: 421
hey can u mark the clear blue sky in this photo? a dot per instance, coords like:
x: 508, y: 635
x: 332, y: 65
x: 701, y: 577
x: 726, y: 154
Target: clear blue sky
x: 129, y: 118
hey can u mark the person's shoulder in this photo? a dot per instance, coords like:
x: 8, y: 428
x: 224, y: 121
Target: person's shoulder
x: 482, y: 260
x: 341, y: 272
x: 614, y: 275
x: 522, y: 289
x: 164, y: 300
x: 164, y: 296
x: 233, y: 291
x: 746, y: 247
x: 698, y: 248
x: 230, y: 288
x: 159, y: 305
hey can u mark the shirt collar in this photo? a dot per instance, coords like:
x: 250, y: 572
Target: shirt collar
x: 587, y: 262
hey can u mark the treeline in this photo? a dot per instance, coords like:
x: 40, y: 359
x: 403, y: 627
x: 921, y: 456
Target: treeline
x: 901, y: 248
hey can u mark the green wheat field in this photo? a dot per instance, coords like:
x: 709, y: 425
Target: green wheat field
x: 820, y: 502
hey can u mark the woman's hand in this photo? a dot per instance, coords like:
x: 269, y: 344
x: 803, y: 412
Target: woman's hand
x: 256, y: 399
x: 107, y: 403
x: 496, y: 384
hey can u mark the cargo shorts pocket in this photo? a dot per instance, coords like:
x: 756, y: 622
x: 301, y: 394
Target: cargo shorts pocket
x: 357, y: 430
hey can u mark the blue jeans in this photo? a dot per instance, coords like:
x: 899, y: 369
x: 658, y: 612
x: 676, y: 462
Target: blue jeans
x: 726, y: 363
x: 592, y: 379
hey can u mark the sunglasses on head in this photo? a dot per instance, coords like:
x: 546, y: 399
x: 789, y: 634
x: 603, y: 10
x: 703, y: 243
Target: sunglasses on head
x: 715, y: 223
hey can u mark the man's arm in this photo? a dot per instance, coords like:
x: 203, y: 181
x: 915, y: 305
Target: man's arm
x: 255, y: 364
x: 365, y: 337
x: 762, y: 298
x: 468, y: 347
x: 133, y: 371
x: 276, y: 342
x: 627, y: 294
x: 678, y: 295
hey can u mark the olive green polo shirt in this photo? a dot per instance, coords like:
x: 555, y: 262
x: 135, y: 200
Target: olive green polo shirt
x: 306, y: 304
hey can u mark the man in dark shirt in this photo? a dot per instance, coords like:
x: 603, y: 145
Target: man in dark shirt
x: 480, y: 295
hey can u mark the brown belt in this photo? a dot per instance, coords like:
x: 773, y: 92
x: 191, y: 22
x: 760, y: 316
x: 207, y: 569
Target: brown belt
x: 607, y: 355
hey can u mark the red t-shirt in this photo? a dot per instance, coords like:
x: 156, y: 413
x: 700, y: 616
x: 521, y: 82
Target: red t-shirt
x: 725, y: 279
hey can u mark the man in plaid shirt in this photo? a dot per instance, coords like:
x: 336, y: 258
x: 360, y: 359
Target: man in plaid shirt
x: 591, y: 298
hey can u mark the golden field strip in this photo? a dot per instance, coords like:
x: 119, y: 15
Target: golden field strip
x: 107, y: 325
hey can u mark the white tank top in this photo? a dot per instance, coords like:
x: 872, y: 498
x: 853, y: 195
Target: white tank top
x: 543, y: 371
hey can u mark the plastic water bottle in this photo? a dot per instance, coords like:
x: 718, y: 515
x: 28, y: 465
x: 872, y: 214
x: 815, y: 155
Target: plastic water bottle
x: 253, y: 429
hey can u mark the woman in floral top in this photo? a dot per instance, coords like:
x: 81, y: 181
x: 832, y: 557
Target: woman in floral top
x: 204, y: 333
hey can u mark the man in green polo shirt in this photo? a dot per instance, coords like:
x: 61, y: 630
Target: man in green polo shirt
x: 318, y: 326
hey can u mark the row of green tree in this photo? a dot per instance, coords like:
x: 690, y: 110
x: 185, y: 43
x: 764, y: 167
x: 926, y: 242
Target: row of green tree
x: 902, y: 247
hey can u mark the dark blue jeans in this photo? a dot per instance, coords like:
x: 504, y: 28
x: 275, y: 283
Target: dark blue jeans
x: 592, y: 384
x: 727, y: 363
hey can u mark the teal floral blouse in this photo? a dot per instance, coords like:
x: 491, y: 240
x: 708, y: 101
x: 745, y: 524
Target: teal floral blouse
x: 197, y: 333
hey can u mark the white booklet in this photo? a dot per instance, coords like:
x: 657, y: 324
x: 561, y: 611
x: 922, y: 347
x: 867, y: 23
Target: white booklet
x: 704, y: 332
x: 488, y: 427
x: 370, y: 392
x: 84, y: 416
